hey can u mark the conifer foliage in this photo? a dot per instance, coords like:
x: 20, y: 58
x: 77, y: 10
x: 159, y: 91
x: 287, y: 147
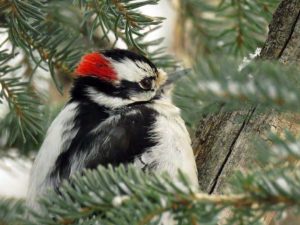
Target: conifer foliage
x: 47, y: 38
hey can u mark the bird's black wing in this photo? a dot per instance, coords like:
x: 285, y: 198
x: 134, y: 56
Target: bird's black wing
x: 117, y: 139
x: 122, y: 138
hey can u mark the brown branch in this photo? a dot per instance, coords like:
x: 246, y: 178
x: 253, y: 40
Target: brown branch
x: 11, y: 98
x: 123, y: 11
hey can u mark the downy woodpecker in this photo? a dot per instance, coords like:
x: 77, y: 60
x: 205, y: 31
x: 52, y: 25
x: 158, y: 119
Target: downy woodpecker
x: 120, y: 111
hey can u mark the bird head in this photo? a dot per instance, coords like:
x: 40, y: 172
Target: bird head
x: 115, y: 78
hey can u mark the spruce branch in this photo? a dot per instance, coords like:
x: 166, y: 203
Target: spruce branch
x: 23, y: 123
x: 12, y: 211
x: 33, y: 27
x: 234, y: 85
x: 285, y: 152
x: 128, y: 196
x: 124, y: 20
x: 233, y: 26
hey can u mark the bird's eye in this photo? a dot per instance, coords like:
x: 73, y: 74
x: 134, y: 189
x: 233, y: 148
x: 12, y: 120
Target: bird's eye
x: 146, y: 83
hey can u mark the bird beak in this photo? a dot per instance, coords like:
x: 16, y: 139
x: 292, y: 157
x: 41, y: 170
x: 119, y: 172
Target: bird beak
x: 171, y: 78
x: 176, y: 75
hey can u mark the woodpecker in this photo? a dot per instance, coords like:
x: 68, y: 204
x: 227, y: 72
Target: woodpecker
x: 119, y: 112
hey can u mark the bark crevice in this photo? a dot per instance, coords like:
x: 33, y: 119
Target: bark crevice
x: 290, y: 35
x: 231, y: 149
x: 222, y: 142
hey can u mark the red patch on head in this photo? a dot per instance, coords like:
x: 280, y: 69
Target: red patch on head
x: 94, y: 64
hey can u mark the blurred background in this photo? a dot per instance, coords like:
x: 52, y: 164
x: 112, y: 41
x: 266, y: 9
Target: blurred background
x: 40, y: 44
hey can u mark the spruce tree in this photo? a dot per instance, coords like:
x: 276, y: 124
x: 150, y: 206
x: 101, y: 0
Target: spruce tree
x: 240, y: 102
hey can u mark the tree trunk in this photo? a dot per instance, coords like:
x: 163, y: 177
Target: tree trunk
x: 222, y: 142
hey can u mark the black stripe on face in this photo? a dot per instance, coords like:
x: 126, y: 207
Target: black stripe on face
x: 121, y: 54
x: 81, y: 85
x: 130, y: 87
x: 123, y: 90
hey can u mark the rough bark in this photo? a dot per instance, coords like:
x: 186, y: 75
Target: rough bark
x: 283, y: 39
x: 222, y: 141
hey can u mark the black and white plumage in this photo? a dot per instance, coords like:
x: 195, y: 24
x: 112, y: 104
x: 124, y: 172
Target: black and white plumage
x: 117, y: 114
